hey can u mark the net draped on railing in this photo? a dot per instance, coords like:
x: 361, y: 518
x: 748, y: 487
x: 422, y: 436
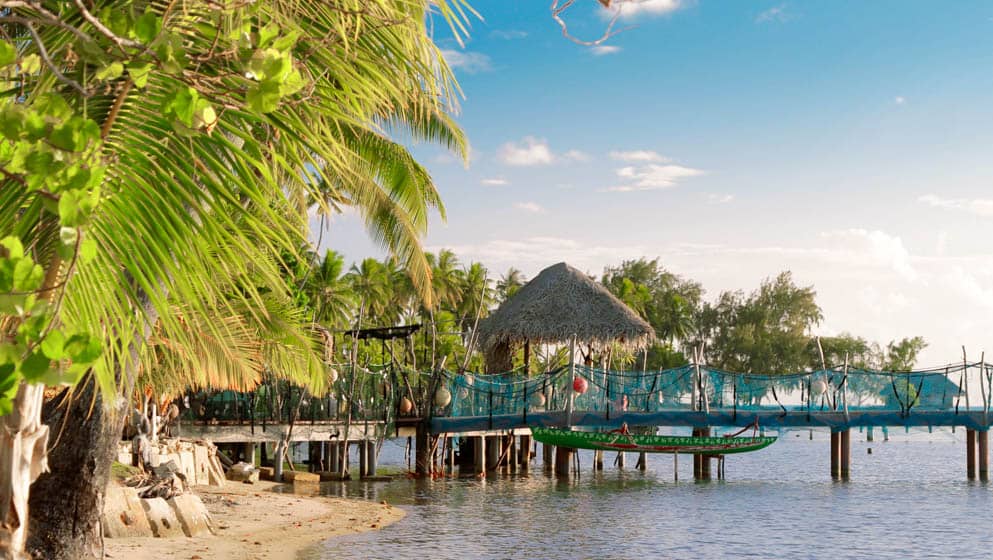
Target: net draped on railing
x: 959, y: 387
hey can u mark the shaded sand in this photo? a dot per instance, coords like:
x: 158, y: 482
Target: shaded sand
x: 254, y: 523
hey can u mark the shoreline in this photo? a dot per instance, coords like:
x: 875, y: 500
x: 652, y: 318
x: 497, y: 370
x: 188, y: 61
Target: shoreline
x: 253, y: 522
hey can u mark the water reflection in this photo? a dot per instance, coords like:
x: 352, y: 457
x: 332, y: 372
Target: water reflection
x: 908, y: 499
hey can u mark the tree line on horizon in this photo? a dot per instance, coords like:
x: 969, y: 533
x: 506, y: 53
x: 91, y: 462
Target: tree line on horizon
x: 768, y: 330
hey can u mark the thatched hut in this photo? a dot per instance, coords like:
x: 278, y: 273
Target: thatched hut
x: 557, y: 305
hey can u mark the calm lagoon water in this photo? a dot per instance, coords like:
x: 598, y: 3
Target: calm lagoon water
x: 907, y: 499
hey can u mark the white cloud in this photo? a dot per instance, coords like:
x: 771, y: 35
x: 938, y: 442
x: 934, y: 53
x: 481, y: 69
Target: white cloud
x: 600, y: 50
x: 637, y: 156
x: 652, y: 177
x: 508, y: 34
x: 531, y: 151
x: 874, y: 248
x: 776, y: 14
x: 899, y: 100
x: 467, y: 61
x: 978, y: 206
x: 635, y: 8
x: 535, y: 151
x: 532, y: 207
x: 495, y: 182
x: 719, y: 198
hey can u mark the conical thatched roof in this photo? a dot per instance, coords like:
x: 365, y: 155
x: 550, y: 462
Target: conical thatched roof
x: 559, y: 303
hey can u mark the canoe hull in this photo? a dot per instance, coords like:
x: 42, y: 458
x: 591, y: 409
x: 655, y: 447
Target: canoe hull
x: 608, y: 441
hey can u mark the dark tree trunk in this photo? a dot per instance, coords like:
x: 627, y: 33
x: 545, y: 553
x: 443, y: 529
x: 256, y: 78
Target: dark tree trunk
x: 66, y: 503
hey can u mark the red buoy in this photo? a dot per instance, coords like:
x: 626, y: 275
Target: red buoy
x: 579, y: 385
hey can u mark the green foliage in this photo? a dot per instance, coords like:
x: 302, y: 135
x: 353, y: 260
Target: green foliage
x: 662, y: 298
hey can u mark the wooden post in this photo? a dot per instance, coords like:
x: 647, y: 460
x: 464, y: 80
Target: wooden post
x: 846, y: 452
x: 571, y: 403
x: 370, y: 458
x: 277, y: 464
x: 970, y: 454
x: 868, y: 433
x: 983, y: 439
x: 620, y: 459
x: 479, y: 455
x: 642, y: 461
x: 493, y: 449
x: 525, y: 454
x: 598, y: 460
x: 701, y: 463
x: 422, y: 452
x: 563, y: 460
x: 675, y: 467
x: 335, y: 459
x: 512, y: 453
x: 548, y: 456
x: 835, y: 454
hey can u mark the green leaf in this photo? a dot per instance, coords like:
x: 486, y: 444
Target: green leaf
x: 139, y: 73
x: 28, y: 276
x: 13, y: 246
x: 83, y: 348
x: 8, y: 54
x: 35, y: 366
x: 263, y: 97
x: 54, y: 345
x: 147, y: 27
x: 111, y: 71
x: 267, y: 34
x: 181, y: 104
x: 69, y: 209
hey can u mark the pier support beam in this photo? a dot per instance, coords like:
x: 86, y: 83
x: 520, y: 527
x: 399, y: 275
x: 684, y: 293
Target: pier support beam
x: 334, y: 464
x: 525, y: 454
x: 479, y: 455
x: 563, y: 460
x: 598, y: 460
x: 512, y: 453
x: 642, y: 461
x: 846, y: 453
x: 970, y: 454
x: 493, y: 449
x: 367, y: 453
x: 835, y: 454
x: 701, y: 463
x: 620, y: 459
x: 422, y: 452
x: 548, y: 456
x: 983, y: 438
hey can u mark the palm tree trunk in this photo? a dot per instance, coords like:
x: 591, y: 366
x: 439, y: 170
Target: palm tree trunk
x: 66, y: 503
x: 22, y: 460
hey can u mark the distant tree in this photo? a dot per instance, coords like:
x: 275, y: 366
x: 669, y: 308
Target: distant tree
x: 902, y: 356
x: 768, y: 331
x: 667, y: 301
x: 329, y: 292
x: 509, y: 283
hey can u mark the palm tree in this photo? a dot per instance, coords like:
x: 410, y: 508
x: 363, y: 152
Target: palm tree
x: 331, y: 295
x: 447, y: 279
x: 158, y: 180
x: 509, y: 283
x: 371, y: 283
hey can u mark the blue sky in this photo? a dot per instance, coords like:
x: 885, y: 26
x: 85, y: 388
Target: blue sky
x: 847, y: 141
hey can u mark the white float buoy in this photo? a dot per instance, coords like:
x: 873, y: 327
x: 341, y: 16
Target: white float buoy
x: 442, y: 397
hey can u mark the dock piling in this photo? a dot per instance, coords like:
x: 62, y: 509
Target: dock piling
x: 835, y: 454
x: 846, y: 453
x: 970, y: 454
x: 983, y: 438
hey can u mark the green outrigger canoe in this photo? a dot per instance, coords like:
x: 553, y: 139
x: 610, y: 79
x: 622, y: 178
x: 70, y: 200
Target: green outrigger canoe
x: 619, y: 440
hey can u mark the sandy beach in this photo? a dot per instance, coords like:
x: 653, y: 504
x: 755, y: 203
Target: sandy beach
x: 254, y: 523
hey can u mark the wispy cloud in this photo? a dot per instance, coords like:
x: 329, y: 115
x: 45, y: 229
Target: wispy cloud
x: 776, y: 14
x: 899, y: 100
x: 719, y: 198
x: 531, y: 207
x: 632, y: 10
x: 576, y: 155
x: 495, y: 182
x: 638, y: 156
x: 467, y: 61
x: 601, y: 50
x: 508, y: 34
x: 878, y: 247
x: 978, y: 206
x: 652, y: 177
x: 532, y: 151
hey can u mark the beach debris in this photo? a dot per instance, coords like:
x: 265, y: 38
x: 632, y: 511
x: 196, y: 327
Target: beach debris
x: 243, y: 472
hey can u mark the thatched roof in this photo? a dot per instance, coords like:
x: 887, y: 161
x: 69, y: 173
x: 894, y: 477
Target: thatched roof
x: 559, y: 303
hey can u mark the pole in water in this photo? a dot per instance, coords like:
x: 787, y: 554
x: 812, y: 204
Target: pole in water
x: 675, y: 467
